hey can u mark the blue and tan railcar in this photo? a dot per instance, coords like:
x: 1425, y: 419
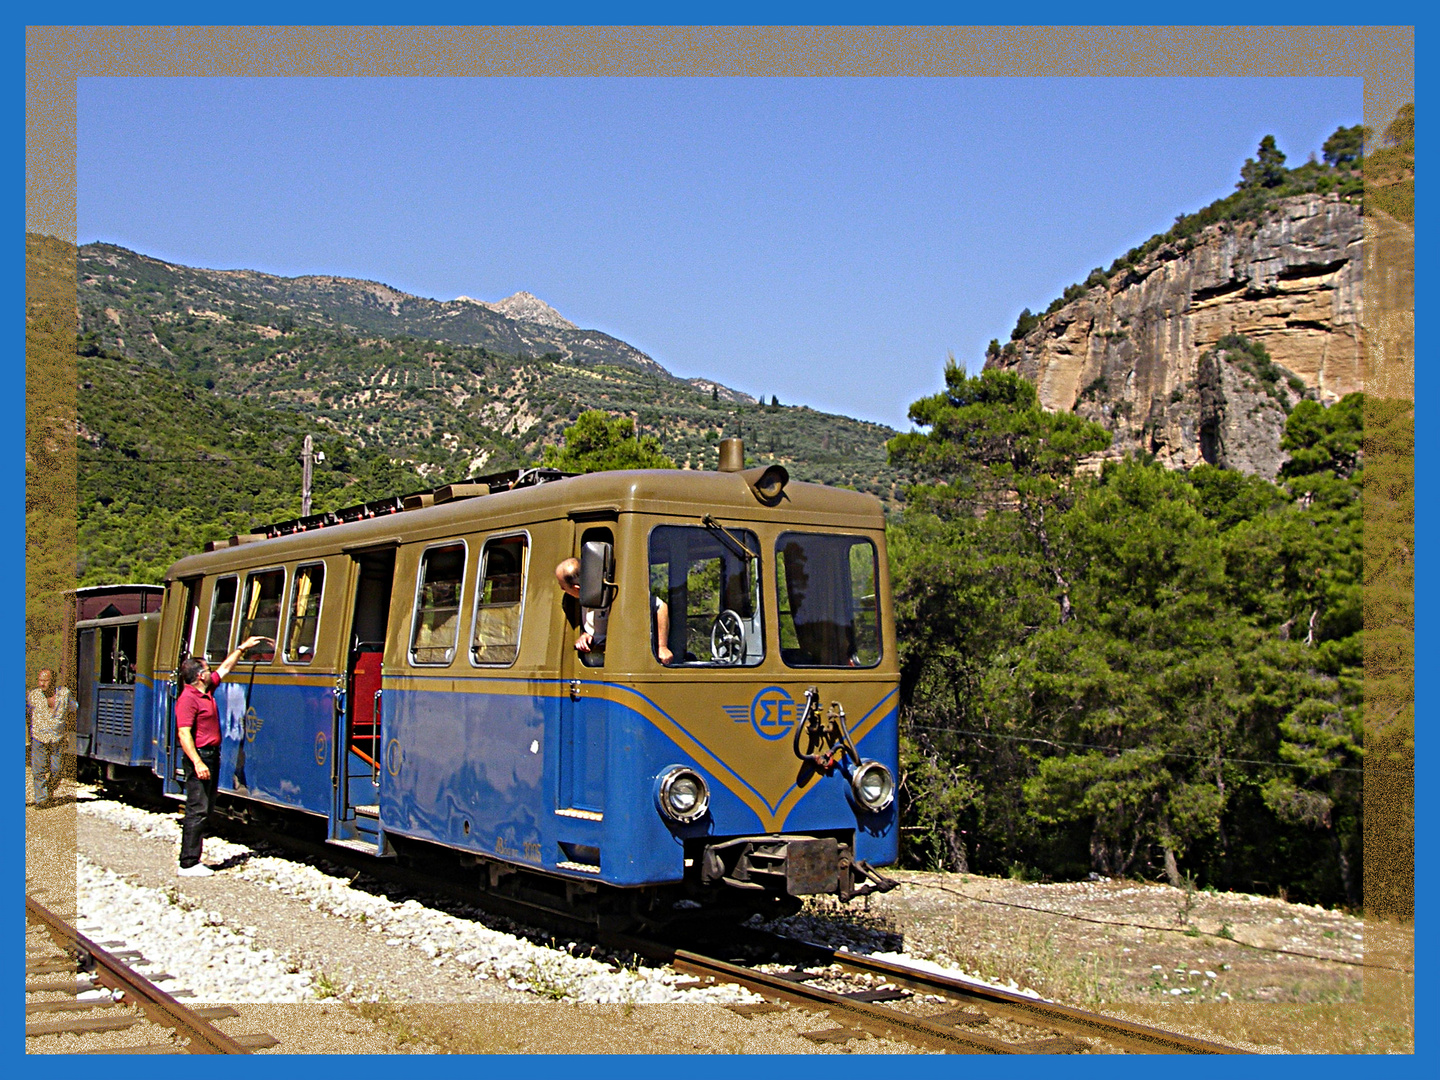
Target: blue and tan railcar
x: 424, y: 685
x: 116, y: 627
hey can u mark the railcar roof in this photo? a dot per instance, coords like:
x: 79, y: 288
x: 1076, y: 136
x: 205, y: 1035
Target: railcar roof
x: 678, y: 492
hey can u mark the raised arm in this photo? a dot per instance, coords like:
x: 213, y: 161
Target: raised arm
x: 228, y: 664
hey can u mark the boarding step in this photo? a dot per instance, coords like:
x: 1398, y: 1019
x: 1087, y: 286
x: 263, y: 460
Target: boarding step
x: 366, y: 847
x: 371, y: 810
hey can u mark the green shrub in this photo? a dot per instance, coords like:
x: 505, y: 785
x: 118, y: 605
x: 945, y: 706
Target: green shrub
x: 1024, y: 324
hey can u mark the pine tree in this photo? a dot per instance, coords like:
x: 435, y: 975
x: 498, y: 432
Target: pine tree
x: 596, y: 443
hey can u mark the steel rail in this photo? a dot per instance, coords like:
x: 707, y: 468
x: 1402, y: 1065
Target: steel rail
x: 877, y: 1020
x: 158, y: 1006
x: 872, y: 1018
x: 1016, y: 1006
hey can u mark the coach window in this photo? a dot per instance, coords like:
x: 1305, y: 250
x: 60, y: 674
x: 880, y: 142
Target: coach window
x: 437, y: 605
x: 260, y: 613
x: 304, y: 613
x: 222, y: 619
x: 498, y: 601
x: 829, y: 616
x: 709, y: 581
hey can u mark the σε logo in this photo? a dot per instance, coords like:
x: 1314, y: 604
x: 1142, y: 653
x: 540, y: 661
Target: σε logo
x: 771, y: 713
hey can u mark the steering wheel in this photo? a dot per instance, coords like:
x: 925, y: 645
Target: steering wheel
x: 727, y: 638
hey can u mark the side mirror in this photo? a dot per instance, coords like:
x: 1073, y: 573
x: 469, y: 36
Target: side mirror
x: 597, y: 574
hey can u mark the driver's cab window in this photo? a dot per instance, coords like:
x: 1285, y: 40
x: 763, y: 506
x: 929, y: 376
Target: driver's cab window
x: 708, y: 581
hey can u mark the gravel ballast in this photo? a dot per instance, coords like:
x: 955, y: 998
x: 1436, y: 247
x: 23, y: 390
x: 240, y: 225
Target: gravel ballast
x: 219, y: 962
x: 335, y: 961
x: 344, y: 970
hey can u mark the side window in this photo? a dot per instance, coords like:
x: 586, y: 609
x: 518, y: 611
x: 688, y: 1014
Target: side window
x: 222, y: 619
x: 260, y: 612
x: 706, y: 583
x: 190, y: 620
x: 437, y: 605
x: 304, y: 613
x: 499, y: 600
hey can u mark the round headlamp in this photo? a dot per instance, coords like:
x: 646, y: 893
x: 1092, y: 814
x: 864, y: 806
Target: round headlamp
x: 873, y: 785
x: 683, y: 795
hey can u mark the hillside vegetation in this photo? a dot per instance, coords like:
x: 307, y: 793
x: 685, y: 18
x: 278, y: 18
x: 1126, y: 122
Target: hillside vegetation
x: 198, y: 387
x: 1140, y: 672
x: 1202, y: 675
x: 1390, y: 171
x: 50, y: 473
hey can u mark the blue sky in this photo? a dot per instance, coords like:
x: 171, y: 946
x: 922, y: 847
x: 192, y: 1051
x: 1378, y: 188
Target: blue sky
x: 825, y: 240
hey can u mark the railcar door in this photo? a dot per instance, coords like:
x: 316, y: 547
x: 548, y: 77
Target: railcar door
x: 582, y: 736
x: 359, y: 711
x: 167, y: 753
x: 87, y: 653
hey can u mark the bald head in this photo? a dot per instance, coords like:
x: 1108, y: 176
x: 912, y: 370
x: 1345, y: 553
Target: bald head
x: 567, y: 575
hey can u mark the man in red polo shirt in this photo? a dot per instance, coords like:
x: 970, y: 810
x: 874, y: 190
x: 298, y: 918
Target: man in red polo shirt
x: 198, y: 722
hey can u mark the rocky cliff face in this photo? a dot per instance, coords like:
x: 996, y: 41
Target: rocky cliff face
x: 1139, y: 353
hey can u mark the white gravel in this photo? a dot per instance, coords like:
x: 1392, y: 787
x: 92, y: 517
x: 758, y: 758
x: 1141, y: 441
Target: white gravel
x: 206, y: 957
x: 221, y: 963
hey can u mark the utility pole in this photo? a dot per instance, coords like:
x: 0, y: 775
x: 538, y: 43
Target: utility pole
x: 307, y: 459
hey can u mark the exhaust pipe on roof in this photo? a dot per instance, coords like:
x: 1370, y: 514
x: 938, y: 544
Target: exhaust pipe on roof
x: 732, y: 455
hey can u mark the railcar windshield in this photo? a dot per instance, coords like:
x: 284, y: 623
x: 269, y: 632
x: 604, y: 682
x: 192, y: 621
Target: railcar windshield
x: 709, y: 583
x: 828, y: 607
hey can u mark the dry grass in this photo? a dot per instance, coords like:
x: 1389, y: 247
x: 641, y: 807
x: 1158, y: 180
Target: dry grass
x: 1233, y: 968
x: 1035, y: 958
x: 1287, y: 1029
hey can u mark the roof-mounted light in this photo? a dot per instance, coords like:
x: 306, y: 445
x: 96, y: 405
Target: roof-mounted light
x: 767, y: 482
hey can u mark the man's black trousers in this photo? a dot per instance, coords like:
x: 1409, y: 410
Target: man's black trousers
x: 199, y: 801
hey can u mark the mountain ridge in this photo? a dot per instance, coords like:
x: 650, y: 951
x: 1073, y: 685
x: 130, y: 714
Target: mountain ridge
x: 519, y: 324
x: 524, y: 307
x: 245, y: 365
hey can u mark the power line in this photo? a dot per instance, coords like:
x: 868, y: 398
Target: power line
x: 1187, y: 930
x: 1164, y: 753
x: 173, y: 461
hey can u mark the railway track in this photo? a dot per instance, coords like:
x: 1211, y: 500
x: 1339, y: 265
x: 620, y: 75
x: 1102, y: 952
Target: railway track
x: 1021, y: 1024
x: 75, y: 986
x: 864, y: 994
x: 955, y: 1009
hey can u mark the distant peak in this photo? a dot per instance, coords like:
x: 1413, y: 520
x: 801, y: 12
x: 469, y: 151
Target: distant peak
x: 525, y: 307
